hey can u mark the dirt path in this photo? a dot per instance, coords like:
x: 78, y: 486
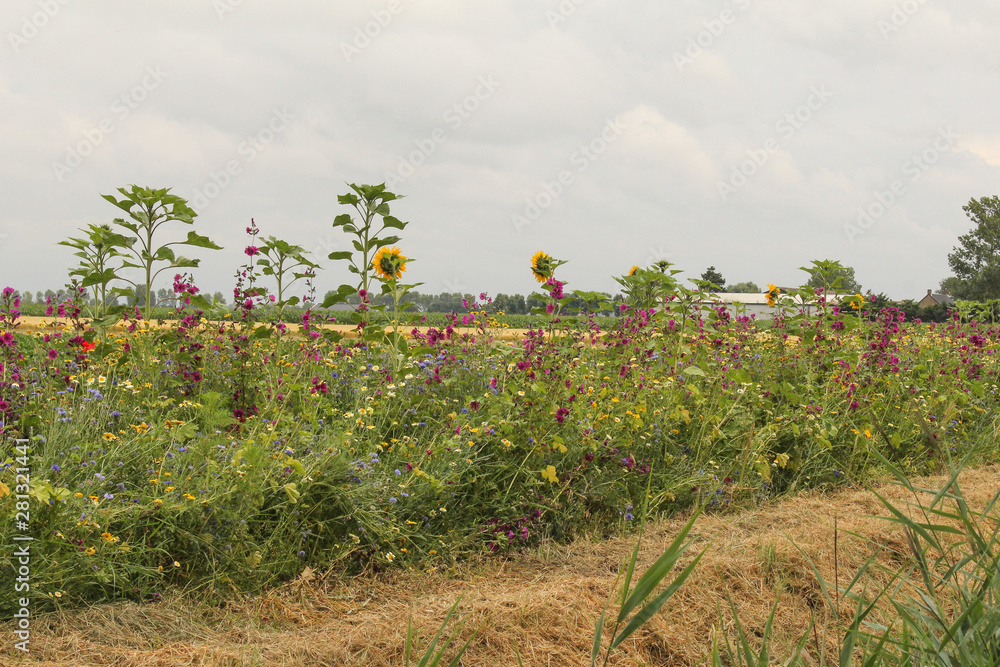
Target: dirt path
x: 545, y: 603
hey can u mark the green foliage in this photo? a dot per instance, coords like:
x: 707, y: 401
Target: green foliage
x: 97, y: 253
x: 646, y: 288
x: 715, y: 281
x: 227, y: 457
x: 831, y: 276
x: 370, y: 202
x: 287, y: 264
x: 976, y: 259
x: 748, y: 287
x: 985, y: 312
x: 148, y: 211
x: 632, y: 598
x: 433, y: 656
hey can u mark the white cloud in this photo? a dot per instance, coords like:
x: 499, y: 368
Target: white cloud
x: 654, y: 187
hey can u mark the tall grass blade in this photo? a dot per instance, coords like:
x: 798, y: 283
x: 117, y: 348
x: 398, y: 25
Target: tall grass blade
x: 430, y: 659
x: 650, y: 609
x: 658, y: 570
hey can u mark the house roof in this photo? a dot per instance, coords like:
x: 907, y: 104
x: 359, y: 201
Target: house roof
x: 940, y: 299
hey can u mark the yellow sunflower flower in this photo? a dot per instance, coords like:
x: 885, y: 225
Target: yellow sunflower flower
x: 772, y: 294
x: 632, y: 271
x: 541, y: 266
x: 389, y: 263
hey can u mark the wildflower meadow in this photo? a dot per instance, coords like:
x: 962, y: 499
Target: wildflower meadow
x: 229, y: 451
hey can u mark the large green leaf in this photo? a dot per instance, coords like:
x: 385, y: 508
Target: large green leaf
x: 98, y: 278
x: 380, y: 243
x: 164, y: 254
x: 200, y: 241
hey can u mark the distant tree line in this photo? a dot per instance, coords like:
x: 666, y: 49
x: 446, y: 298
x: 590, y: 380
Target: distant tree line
x: 164, y: 298
x: 511, y: 304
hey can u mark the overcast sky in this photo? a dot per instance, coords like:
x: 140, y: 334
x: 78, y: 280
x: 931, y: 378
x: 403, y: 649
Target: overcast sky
x: 752, y: 135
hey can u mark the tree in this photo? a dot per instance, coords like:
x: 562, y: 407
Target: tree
x: 976, y: 260
x: 951, y: 285
x: 748, y: 287
x: 832, y: 276
x: 715, y: 278
x: 165, y: 298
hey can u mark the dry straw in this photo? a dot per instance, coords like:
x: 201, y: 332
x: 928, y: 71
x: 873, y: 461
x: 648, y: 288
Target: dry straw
x: 544, y: 604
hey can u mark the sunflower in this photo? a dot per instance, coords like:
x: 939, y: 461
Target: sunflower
x: 632, y: 271
x: 389, y: 263
x: 541, y: 266
x: 772, y: 294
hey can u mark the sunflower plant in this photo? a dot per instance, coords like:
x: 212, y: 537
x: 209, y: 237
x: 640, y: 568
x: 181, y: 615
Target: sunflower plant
x: 388, y: 265
x: 543, y: 268
x: 149, y: 210
x: 372, y: 205
x: 647, y: 288
x: 97, y: 252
